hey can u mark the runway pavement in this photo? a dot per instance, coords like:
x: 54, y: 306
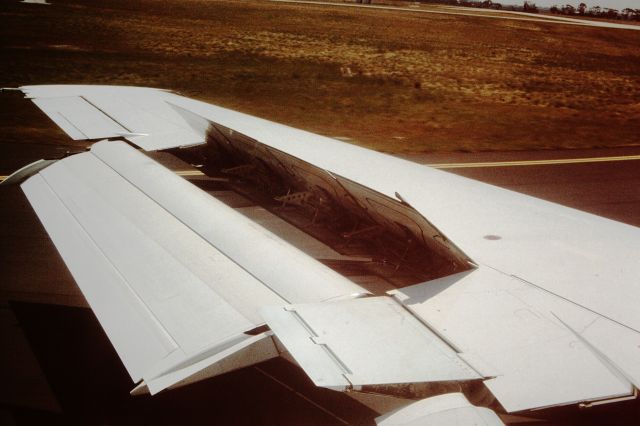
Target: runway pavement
x: 69, y: 373
x: 605, y: 182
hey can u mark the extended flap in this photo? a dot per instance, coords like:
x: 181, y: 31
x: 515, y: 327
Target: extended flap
x: 364, y: 342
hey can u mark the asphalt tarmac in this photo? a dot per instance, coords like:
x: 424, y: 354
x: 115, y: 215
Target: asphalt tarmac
x: 58, y: 367
x: 605, y: 182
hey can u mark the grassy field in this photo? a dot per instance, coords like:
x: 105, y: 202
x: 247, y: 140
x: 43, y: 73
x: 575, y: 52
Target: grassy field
x: 393, y: 81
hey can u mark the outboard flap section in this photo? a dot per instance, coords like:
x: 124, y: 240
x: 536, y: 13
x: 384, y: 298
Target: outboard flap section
x: 164, y: 296
x: 79, y: 118
x: 364, y: 341
x: 140, y: 115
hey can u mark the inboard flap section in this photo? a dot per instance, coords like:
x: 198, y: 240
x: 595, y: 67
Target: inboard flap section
x: 161, y: 292
x: 364, y: 341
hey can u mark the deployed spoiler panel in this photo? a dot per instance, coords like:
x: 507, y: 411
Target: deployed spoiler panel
x: 573, y: 254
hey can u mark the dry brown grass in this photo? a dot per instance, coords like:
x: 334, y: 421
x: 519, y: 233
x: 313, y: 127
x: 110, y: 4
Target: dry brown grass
x: 395, y: 81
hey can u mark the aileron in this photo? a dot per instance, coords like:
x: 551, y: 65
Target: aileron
x: 78, y: 118
x: 139, y: 115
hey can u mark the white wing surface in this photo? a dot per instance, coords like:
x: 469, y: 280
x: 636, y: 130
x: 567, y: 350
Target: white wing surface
x: 164, y: 282
x: 548, y: 313
x: 570, y: 253
x: 137, y: 114
x: 365, y: 341
x: 500, y: 323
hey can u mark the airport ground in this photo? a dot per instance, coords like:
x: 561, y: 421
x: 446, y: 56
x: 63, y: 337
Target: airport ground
x: 392, y: 80
x: 548, y: 110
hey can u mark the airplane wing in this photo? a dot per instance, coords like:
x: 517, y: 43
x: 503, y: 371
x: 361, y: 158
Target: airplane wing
x: 535, y: 301
x: 166, y: 268
x: 97, y: 112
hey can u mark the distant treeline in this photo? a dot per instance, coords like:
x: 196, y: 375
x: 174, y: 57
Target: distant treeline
x: 597, y: 12
x: 488, y: 4
x: 627, y: 14
x: 527, y: 6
